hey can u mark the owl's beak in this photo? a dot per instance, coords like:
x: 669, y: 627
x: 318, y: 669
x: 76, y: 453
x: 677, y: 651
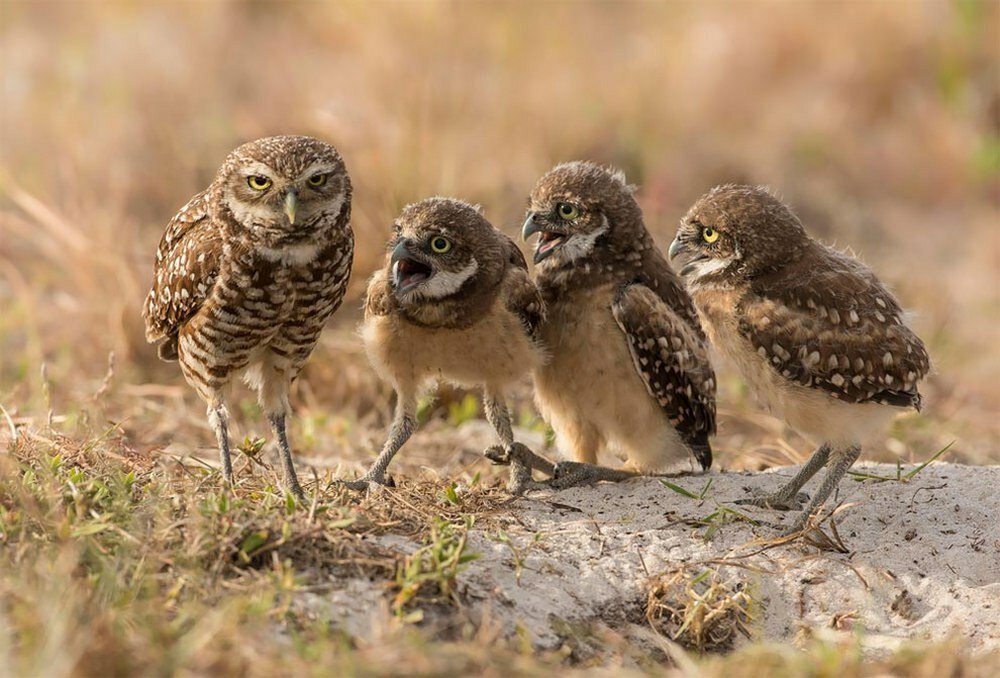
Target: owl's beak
x: 400, y: 251
x: 677, y: 247
x: 291, y: 204
x: 530, y: 227
x: 548, y: 241
x: 407, y: 270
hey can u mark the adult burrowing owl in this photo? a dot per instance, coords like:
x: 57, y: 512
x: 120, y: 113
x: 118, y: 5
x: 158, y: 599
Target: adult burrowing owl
x: 629, y: 368
x: 454, y: 303
x: 247, y: 274
x: 819, y: 339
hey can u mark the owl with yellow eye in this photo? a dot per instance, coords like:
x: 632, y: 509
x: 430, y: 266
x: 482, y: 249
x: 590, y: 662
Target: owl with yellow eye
x: 628, y: 372
x: 821, y: 342
x: 246, y: 275
x: 453, y: 303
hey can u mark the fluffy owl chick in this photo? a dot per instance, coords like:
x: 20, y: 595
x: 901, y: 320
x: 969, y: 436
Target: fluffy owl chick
x: 454, y: 303
x: 628, y: 367
x: 820, y: 341
x: 247, y: 274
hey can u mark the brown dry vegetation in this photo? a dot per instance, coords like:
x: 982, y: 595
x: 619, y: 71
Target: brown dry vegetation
x: 879, y: 123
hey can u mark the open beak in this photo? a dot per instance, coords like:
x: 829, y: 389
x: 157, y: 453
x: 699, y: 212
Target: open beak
x: 407, y: 270
x: 530, y: 227
x: 291, y: 204
x: 548, y: 241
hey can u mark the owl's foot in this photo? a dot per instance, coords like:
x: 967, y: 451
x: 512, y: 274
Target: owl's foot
x: 776, y: 501
x: 366, y: 482
x: 522, y: 461
x: 572, y: 473
x: 504, y: 456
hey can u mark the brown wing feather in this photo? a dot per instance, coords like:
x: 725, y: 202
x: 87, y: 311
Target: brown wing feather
x: 523, y: 299
x: 379, y: 299
x: 671, y: 359
x: 187, y: 262
x: 829, y: 323
x: 521, y: 295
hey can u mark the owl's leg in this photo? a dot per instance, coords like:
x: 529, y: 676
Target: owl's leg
x: 843, y: 459
x: 403, y: 425
x: 521, y: 459
x: 574, y: 473
x: 273, y: 379
x: 218, y: 419
x: 291, y: 480
x: 788, y: 498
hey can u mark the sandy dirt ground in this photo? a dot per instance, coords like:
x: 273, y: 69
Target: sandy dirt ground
x: 914, y: 558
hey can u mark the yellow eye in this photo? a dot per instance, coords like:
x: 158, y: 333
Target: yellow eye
x: 317, y: 180
x: 567, y: 211
x: 440, y: 244
x: 258, y: 183
x: 709, y: 234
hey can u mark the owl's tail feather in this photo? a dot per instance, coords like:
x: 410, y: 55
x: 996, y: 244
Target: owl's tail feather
x: 702, y: 450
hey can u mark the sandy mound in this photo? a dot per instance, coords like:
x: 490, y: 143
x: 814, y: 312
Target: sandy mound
x: 922, y: 559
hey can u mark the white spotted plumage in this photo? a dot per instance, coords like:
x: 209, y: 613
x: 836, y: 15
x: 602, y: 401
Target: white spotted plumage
x: 251, y: 296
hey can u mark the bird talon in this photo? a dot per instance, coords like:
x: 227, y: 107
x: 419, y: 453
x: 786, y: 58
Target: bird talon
x: 775, y: 502
x: 498, y: 455
x: 366, y: 483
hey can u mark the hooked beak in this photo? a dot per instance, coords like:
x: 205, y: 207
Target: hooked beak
x: 400, y: 251
x: 530, y: 227
x: 291, y: 204
x: 677, y: 247
x: 408, y: 271
x: 680, y: 248
x: 549, y: 240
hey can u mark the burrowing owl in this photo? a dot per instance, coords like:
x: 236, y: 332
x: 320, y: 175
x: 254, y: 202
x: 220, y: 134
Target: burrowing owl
x: 821, y: 342
x: 629, y: 369
x: 454, y: 303
x: 247, y: 274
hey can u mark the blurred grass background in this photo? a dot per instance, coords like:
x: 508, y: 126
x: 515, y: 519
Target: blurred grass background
x: 879, y: 122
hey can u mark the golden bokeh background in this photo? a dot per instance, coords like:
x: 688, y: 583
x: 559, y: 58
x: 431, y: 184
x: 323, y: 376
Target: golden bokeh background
x: 877, y: 121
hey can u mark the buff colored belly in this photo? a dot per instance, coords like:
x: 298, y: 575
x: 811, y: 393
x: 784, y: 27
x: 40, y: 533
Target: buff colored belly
x: 493, y: 352
x: 591, y: 394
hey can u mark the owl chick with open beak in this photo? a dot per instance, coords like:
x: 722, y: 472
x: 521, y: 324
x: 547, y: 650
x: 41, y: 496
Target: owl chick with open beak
x: 454, y: 302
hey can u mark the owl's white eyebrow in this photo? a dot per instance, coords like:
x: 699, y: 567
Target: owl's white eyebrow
x: 318, y: 167
x: 257, y: 169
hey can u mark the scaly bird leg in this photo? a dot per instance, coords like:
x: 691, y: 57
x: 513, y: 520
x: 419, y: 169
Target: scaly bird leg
x: 788, y: 498
x: 842, y: 460
x: 403, y: 426
x: 291, y: 480
x: 521, y: 459
x: 218, y: 419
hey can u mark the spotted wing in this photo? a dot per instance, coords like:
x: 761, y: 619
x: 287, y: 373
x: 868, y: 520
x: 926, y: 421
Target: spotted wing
x: 673, y: 362
x: 187, y: 263
x: 830, y: 324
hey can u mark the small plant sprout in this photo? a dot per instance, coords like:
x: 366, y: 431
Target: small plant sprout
x: 251, y: 447
x: 861, y: 476
x: 430, y: 572
x: 700, y: 496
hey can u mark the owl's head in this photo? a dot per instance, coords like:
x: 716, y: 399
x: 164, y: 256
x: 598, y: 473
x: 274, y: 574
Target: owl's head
x: 736, y: 233
x: 285, y: 190
x: 443, y: 249
x: 582, y: 211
